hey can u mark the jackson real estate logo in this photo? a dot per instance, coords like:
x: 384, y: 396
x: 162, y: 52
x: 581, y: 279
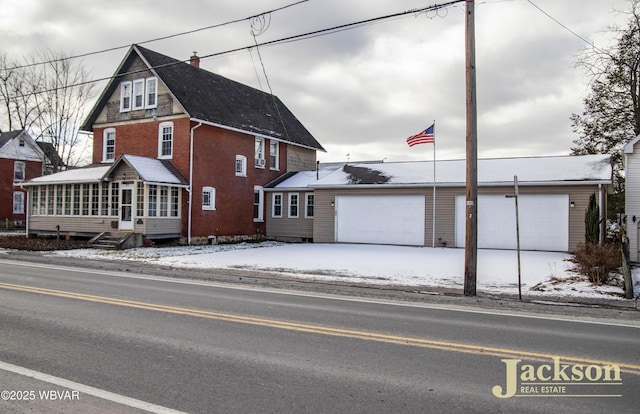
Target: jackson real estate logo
x: 558, y: 379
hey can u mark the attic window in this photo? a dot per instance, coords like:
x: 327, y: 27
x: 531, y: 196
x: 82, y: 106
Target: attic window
x: 21, y: 143
x: 139, y: 94
x: 125, y: 96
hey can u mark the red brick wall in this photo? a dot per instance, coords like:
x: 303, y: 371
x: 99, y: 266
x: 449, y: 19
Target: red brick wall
x: 215, y: 151
x: 33, y: 169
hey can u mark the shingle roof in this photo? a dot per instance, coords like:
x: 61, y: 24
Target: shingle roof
x: 8, y: 136
x: 218, y: 100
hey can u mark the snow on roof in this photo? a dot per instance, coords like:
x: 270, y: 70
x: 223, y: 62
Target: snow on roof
x: 303, y: 179
x: 79, y: 175
x: 153, y: 170
x: 498, y: 171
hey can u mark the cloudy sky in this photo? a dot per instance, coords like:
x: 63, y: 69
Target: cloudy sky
x: 362, y: 91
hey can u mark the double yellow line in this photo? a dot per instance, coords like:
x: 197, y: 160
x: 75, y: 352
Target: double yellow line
x: 322, y: 330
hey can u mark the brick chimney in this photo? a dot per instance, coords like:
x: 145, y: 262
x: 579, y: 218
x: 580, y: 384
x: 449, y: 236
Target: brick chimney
x: 195, y: 60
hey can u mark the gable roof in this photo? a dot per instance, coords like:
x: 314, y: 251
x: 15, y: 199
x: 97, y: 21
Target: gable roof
x: 30, y: 151
x: 214, y: 99
x: 150, y: 170
x: 559, y: 170
x: 628, y: 149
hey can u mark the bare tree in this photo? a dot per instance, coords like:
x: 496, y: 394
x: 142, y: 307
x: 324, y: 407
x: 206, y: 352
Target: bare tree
x: 49, y: 96
x: 65, y: 97
x: 19, y: 85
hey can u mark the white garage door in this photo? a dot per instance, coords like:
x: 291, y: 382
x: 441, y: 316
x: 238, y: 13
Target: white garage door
x: 544, y: 222
x: 380, y: 219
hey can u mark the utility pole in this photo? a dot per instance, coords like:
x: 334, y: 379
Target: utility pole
x: 471, y: 238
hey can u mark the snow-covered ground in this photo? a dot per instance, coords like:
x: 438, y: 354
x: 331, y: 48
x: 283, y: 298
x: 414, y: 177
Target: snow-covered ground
x: 543, y: 273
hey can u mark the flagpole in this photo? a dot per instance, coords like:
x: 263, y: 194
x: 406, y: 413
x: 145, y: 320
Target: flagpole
x: 433, y: 222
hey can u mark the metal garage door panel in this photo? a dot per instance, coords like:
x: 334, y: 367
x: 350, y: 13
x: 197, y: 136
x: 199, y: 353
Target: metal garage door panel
x: 380, y: 219
x: 544, y: 222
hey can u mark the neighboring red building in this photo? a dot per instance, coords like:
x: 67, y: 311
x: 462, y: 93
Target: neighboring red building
x: 20, y: 159
x: 216, y: 141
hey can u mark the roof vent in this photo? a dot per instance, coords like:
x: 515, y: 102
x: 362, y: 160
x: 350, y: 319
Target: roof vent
x: 195, y: 60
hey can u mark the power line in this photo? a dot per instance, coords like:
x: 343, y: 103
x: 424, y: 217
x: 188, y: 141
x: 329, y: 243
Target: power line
x: 590, y: 43
x: 111, y: 49
x: 288, y: 39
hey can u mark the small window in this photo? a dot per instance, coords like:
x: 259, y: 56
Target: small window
x: 18, y: 171
x: 18, y: 202
x: 138, y: 94
x: 258, y: 203
x: 259, y: 152
x: 276, y: 205
x: 125, y: 96
x: 208, y: 198
x: 293, y: 205
x: 152, y: 210
x: 152, y: 93
x: 273, y: 155
x: 309, y: 205
x: 21, y: 143
x: 165, y: 140
x: 109, y: 145
x: 241, y: 165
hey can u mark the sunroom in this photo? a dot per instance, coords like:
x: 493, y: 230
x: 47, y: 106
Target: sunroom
x: 135, y: 194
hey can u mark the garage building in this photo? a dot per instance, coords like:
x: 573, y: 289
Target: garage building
x: 393, y: 203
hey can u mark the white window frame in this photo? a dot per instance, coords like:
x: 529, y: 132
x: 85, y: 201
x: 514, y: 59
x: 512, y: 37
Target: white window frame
x: 138, y: 94
x: 274, y: 205
x: 105, y: 145
x: 241, y: 161
x: 18, y: 202
x: 19, y: 167
x: 259, y: 152
x: 292, y: 204
x: 124, y: 93
x: 307, y: 204
x: 161, y: 128
x: 151, y: 90
x: 211, y: 204
x: 260, y: 191
x: 274, y: 154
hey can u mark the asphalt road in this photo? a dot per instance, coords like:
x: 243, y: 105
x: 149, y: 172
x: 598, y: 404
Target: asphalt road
x: 118, y: 341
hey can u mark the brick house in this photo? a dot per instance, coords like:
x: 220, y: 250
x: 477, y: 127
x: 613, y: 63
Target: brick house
x: 172, y: 141
x: 20, y: 159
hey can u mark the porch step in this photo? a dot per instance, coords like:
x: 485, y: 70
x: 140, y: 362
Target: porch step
x: 115, y: 241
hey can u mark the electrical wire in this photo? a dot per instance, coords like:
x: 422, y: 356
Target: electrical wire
x: 111, y: 49
x: 288, y: 39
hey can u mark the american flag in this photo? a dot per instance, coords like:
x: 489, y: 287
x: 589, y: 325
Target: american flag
x: 425, y: 137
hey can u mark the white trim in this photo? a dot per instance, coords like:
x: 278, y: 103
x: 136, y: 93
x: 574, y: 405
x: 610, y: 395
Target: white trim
x: 24, y: 171
x: 258, y: 189
x: 161, y: 126
x: 273, y: 205
x: 290, y: 204
x: 155, y: 93
x: 211, y: 206
x: 306, y: 204
x: 243, y: 170
x: 123, y: 85
x: 137, y: 91
x: 255, y: 134
x: 104, y: 145
x: 275, y: 167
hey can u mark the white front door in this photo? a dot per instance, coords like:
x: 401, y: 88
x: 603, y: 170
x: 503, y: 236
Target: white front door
x: 126, y: 208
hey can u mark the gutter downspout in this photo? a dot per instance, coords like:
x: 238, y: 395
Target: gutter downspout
x: 190, y: 188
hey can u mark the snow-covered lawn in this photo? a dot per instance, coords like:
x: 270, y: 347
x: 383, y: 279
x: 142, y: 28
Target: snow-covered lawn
x: 543, y: 273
